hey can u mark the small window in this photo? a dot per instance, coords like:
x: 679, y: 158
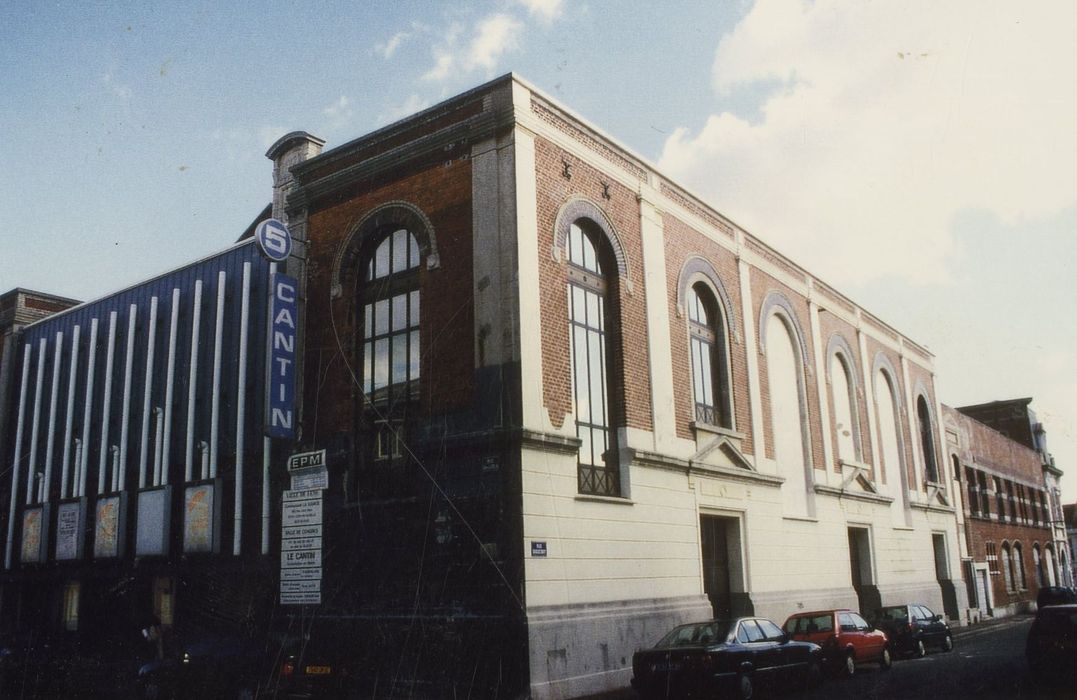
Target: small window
x: 974, y: 495
x: 927, y: 441
x: 71, y: 606
x: 861, y: 623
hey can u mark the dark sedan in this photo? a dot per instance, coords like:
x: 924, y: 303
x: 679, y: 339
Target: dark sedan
x: 730, y: 657
x: 912, y: 628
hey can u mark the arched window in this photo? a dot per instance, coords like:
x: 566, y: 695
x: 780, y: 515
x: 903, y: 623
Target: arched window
x: 787, y: 412
x: 592, y: 306
x: 707, y: 346
x: 893, y: 466
x: 927, y: 441
x: 1018, y: 568
x: 974, y: 496
x: 843, y: 407
x: 389, y: 312
x: 1007, y: 567
x: 1037, y: 565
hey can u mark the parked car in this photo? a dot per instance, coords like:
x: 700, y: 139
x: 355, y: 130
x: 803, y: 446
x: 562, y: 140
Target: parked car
x: 912, y: 628
x: 734, y: 657
x: 1051, y: 647
x: 845, y: 637
x: 213, y: 667
x: 1055, y: 595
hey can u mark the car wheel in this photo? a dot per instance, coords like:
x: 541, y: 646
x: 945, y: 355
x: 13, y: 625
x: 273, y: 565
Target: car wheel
x: 848, y: 668
x: 745, y: 688
x: 885, y: 662
x: 919, y: 651
x: 948, y: 643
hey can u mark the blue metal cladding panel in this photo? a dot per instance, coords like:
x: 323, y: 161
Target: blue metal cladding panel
x: 231, y: 262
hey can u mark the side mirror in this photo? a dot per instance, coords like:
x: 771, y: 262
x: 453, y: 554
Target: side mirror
x: 936, y: 618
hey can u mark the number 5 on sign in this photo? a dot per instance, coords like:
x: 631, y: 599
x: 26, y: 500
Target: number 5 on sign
x: 274, y: 239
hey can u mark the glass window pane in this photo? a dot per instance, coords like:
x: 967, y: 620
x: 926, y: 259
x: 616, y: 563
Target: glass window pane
x: 589, y: 258
x: 594, y: 352
x: 381, y: 317
x: 368, y: 321
x: 413, y: 315
x: 707, y: 379
x: 586, y: 451
x: 400, y: 358
x: 578, y: 312
x: 581, y: 376
x: 575, y: 244
x: 400, y: 312
x: 413, y: 251
x: 381, y: 259
x: 413, y: 355
x: 594, y: 316
x: 368, y: 350
x: 400, y: 250
x: 381, y: 363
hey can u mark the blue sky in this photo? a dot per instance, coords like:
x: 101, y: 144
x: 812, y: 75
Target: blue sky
x: 917, y: 155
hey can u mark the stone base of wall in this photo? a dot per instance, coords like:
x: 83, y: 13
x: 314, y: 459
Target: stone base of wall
x: 579, y: 650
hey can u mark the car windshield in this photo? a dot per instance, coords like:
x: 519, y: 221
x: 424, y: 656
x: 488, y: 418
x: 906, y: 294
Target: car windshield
x: 698, y: 634
x: 898, y: 613
x: 810, y: 624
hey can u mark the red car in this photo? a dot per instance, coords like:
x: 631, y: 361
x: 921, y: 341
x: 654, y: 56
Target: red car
x: 846, y: 638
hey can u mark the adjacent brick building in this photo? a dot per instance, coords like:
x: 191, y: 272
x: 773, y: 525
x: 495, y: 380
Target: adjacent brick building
x: 1007, y: 518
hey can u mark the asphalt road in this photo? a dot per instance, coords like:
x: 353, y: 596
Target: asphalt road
x: 987, y: 662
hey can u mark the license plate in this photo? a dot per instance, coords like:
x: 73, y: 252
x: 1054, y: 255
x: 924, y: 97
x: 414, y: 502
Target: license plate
x: 319, y: 670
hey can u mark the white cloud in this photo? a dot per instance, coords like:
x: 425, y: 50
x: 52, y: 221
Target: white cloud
x: 884, y: 120
x: 388, y: 48
x: 492, y: 37
x: 546, y: 10
x: 339, y: 111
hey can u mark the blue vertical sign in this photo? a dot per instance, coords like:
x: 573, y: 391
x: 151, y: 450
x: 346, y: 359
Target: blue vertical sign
x: 280, y: 379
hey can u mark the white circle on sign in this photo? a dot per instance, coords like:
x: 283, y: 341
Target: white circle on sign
x: 274, y: 239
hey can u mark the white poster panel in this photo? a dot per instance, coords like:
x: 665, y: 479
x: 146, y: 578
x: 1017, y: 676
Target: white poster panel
x: 68, y: 530
x: 153, y: 523
x: 198, y: 518
x: 33, y: 531
x: 309, y: 557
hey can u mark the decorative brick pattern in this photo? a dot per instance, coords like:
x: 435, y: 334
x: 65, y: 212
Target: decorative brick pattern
x: 551, y: 116
x: 696, y: 208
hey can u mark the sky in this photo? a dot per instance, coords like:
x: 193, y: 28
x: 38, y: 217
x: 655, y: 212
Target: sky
x: 919, y: 156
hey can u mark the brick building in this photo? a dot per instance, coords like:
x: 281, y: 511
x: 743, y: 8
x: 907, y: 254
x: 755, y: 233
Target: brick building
x: 565, y: 405
x: 1015, y: 419
x: 1011, y: 552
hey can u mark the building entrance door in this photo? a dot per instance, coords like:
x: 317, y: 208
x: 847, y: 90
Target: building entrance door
x: 714, y: 534
x: 981, y: 592
x: 863, y: 579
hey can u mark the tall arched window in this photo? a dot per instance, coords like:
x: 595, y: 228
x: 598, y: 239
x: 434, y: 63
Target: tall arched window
x: 842, y: 390
x: 707, y: 347
x: 886, y: 400
x: 1037, y: 565
x: 1007, y: 567
x: 1018, y: 568
x: 591, y: 305
x: 927, y: 441
x: 788, y: 419
x: 388, y: 304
